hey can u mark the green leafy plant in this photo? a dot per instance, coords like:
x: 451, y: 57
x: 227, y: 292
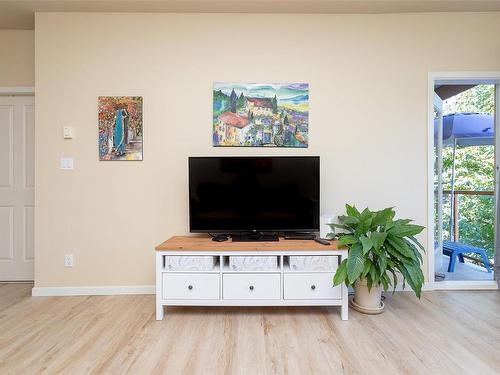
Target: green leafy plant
x: 379, y: 247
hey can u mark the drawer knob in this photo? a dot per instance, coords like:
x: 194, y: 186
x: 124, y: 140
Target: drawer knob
x: 251, y: 287
x: 313, y: 287
x: 190, y: 287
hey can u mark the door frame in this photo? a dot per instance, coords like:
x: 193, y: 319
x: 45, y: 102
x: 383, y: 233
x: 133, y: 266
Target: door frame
x: 453, y: 78
x: 438, y: 106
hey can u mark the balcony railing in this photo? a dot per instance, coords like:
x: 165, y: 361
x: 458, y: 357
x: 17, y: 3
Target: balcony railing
x: 455, y: 211
x: 455, y: 197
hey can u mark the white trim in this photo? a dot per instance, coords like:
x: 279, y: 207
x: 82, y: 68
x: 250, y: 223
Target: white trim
x: 430, y: 179
x: 399, y: 288
x: 438, y: 102
x: 66, y: 291
x: 466, y: 285
x: 21, y: 90
x: 464, y: 78
x: 497, y: 175
x: 449, y: 78
x: 450, y: 285
x: 92, y: 290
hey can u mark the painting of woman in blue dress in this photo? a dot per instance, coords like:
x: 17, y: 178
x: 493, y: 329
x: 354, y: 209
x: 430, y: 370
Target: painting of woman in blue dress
x: 119, y: 132
x: 120, y: 127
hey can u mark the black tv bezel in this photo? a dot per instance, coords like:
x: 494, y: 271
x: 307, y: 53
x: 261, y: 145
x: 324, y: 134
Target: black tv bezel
x: 239, y: 231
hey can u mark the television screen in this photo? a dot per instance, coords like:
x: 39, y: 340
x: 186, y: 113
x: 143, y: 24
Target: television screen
x: 238, y: 194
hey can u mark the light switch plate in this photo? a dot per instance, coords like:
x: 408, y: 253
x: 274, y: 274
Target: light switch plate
x: 67, y: 164
x: 68, y: 132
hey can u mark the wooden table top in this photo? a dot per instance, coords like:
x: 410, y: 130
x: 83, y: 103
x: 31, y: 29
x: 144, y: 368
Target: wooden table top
x: 206, y: 244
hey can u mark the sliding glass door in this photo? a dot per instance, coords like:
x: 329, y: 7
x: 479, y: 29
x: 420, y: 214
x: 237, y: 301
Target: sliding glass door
x: 466, y: 178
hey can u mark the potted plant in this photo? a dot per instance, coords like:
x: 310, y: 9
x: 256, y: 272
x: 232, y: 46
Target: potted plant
x: 379, y: 248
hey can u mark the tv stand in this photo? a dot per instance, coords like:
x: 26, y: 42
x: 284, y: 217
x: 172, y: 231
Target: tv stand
x: 255, y: 237
x: 222, y: 285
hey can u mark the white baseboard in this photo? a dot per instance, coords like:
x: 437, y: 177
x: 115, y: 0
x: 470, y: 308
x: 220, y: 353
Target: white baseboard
x: 92, y: 290
x: 61, y: 291
x: 399, y: 288
x: 466, y: 285
x: 425, y: 288
x: 150, y: 289
x: 452, y: 285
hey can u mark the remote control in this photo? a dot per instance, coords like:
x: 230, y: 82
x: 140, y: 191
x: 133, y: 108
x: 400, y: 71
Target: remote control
x: 322, y: 241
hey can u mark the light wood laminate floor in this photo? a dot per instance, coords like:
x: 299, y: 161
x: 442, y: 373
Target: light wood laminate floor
x: 444, y: 333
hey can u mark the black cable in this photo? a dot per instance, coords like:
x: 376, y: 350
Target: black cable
x: 219, y: 235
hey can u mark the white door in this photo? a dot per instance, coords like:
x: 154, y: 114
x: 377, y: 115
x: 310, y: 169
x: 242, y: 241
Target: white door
x: 17, y: 183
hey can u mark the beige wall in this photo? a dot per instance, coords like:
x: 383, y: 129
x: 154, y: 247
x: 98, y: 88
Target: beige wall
x: 368, y: 99
x: 17, y: 60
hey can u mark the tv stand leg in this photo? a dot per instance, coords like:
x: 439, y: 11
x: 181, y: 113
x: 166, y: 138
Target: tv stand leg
x: 344, y: 309
x: 159, y: 312
x: 344, y: 314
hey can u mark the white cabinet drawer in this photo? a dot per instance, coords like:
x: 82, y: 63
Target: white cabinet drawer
x: 310, y: 286
x: 190, y: 286
x: 251, y: 286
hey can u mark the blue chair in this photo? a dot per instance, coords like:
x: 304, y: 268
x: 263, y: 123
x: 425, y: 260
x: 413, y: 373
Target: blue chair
x: 456, y: 249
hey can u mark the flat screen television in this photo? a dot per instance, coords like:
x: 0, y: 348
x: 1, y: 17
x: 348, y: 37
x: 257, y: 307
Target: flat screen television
x: 250, y: 194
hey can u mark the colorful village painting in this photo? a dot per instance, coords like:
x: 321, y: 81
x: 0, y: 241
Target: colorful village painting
x: 120, y: 127
x: 256, y: 115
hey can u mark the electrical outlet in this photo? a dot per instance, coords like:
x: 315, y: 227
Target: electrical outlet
x: 68, y: 260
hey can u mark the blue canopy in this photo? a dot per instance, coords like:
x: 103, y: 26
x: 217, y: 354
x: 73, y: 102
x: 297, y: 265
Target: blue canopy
x: 469, y: 129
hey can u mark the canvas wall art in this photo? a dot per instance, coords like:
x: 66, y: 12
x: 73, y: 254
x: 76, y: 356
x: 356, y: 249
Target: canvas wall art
x: 261, y: 115
x: 120, y: 127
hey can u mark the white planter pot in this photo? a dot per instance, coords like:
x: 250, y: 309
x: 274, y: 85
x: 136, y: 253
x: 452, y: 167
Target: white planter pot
x: 368, y: 302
